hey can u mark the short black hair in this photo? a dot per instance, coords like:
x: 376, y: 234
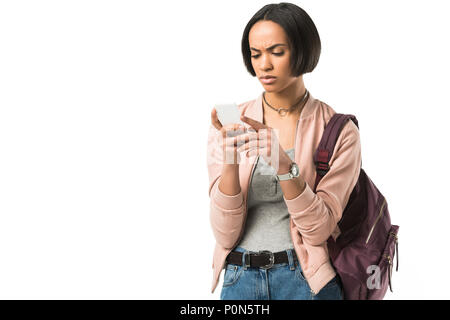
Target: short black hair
x: 301, y: 32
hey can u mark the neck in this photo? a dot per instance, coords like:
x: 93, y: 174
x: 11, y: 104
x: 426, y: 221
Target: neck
x: 286, y: 97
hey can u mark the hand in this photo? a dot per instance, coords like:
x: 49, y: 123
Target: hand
x: 227, y: 138
x: 263, y: 140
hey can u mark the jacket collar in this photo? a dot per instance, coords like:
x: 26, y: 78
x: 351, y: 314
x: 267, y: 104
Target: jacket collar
x: 255, y: 109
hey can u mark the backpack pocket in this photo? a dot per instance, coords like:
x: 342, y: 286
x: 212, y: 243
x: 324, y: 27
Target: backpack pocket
x: 390, y: 250
x: 384, y: 277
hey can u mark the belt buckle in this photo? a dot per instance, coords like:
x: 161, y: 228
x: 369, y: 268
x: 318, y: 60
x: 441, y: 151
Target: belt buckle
x: 271, y: 259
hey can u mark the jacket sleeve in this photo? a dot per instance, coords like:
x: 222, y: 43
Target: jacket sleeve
x: 316, y: 214
x: 226, y: 211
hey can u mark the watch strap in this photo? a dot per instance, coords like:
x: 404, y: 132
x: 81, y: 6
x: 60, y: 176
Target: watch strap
x: 283, y: 177
x: 287, y: 176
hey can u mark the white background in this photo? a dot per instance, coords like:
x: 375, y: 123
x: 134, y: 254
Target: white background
x: 104, y: 114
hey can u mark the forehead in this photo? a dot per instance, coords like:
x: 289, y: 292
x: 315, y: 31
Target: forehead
x: 264, y: 34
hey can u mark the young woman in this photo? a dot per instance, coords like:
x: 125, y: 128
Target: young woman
x: 270, y: 227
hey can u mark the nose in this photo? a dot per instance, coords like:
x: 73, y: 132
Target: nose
x: 266, y: 64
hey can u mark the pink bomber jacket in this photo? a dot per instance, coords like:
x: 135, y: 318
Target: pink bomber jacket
x: 313, y: 216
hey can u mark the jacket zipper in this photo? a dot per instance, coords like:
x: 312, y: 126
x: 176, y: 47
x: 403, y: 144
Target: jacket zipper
x: 295, y: 146
x: 246, y: 207
x: 248, y: 188
x: 376, y: 221
x: 250, y: 181
x: 290, y: 231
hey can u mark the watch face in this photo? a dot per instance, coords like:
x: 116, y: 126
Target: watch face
x: 295, y: 170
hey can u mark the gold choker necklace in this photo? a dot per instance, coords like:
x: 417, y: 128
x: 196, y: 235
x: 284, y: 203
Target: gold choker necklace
x: 284, y: 111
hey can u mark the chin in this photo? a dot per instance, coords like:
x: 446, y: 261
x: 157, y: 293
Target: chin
x: 269, y: 87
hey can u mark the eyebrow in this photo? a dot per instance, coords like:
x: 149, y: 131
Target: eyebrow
x: 271, y: 47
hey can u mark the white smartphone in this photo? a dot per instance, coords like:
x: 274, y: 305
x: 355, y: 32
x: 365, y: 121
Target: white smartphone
x: 229, y: 114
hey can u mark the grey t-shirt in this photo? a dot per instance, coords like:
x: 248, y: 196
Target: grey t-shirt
x: 267, y: 224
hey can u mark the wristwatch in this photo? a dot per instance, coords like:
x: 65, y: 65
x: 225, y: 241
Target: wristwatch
x: 294, y: 172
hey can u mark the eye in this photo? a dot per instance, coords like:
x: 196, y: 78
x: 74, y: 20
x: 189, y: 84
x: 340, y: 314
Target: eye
x: 277, y: 54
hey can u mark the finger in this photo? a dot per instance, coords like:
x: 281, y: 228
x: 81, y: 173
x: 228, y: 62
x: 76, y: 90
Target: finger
x: 229, y: 145
x: 259, y: 141
x: 231, y: 142
x: 249, y: 145
x: 241, y: 139
x: 230, y: 155
x: 215, y: 120
x: 230, y: 150
x: 233, y: 126
x: 232, y: 130
x: 223, y: 139
x: 237, y: 141
x: 253, y: 123
x: 256, y: 152
x: 249, y: 136
x: 265, y: 133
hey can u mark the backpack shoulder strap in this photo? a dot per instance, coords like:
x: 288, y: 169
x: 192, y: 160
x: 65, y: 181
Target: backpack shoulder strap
x: 326, y: 146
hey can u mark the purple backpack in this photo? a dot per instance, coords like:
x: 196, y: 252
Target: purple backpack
x: 363, y: 253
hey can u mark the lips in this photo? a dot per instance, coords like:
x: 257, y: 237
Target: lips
x: 268, y: 80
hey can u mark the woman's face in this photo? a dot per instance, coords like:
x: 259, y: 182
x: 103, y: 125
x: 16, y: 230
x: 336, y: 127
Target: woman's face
x: 273, y: 61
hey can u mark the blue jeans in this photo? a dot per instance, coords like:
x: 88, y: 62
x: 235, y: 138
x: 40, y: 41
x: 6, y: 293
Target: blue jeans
x: 284, y: 281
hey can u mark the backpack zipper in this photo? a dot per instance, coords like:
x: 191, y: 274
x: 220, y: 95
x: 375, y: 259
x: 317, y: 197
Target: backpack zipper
x: 376, y: 221
x: 396, y: 248
x: 390, y: 270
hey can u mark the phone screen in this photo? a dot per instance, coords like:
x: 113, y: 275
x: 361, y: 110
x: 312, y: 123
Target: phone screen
x: 228, y: 114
